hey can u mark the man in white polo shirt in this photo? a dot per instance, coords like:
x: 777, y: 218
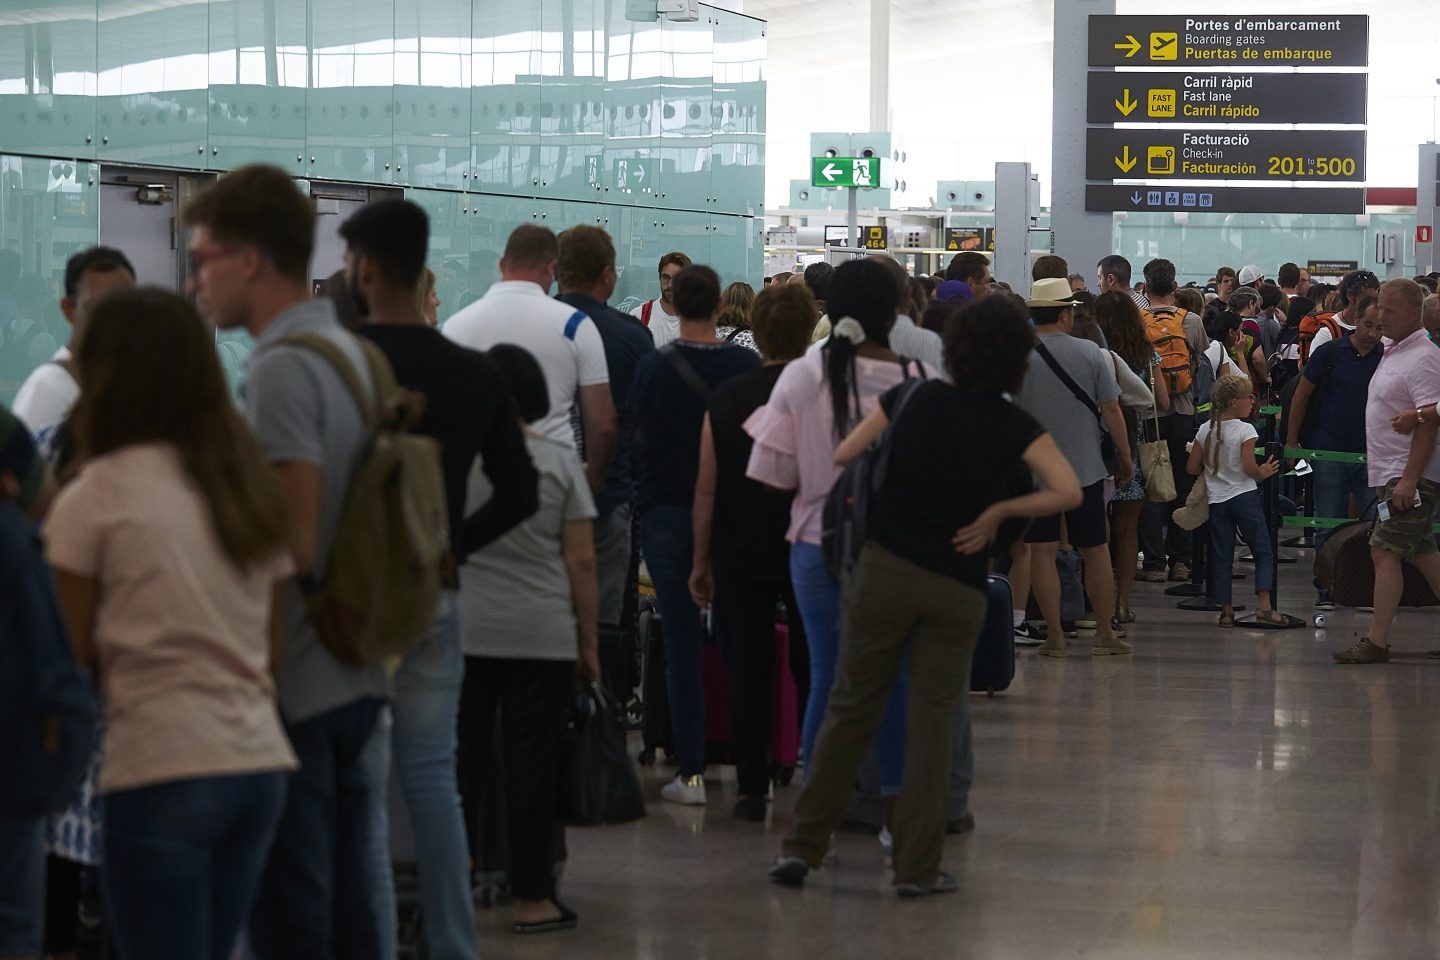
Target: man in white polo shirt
x: 660, y: 316
x: 1404, y: 465
x: 563, y: 340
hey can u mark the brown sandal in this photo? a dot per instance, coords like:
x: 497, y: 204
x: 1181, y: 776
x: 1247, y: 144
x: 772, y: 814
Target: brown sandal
x: 1227, y: 620
x: 1272, y: 616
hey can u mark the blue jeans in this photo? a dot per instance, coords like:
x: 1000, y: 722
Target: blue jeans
x: 375, y: 759
x: 818, y: 596
x: 1246, y: 514
x: 1333, y: 484
x: 317, y: 899
x: 182, y: 861
x: 425, y: 708
x: 667, y: 543
x: 22, y: 887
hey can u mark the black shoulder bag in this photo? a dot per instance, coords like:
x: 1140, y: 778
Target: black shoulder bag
x: 686, y: 371
x: 1108, y: 452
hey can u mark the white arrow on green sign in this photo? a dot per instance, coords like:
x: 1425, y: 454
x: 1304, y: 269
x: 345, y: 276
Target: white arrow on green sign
x: 845, y: 171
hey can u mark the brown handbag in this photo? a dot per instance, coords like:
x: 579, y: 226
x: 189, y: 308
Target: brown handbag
x: 1344, y: 568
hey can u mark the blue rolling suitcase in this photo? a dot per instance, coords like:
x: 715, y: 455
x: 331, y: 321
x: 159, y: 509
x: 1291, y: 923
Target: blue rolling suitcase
x: 993, y: 665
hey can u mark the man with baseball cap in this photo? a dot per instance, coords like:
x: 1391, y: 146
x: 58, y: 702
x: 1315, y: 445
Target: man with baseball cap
x: 1070, y: 388
x: 1251, y: 276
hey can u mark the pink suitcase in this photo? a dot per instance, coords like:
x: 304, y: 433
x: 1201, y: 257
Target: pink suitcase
x: 785, y: 726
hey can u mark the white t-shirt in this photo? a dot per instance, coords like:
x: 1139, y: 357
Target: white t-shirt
x: 664, y: 326
x: 1323, y: 335
x: 515, y: 596
x: 1220, y: 360
x: 563, y: 340
x: 45, y: 400
x: 1230, y: 480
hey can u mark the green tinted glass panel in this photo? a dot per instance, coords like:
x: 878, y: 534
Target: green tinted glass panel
x: 432, y: 93
x: 153, y: 65
x: 47, y: 79
x: 505, y: 102
x: 49, y: 210
x: 449, y: 252
x: 349, y: 132
x: 259, y: 62
x: 685, y: 121
x: 572, y: 99
x: 634, y: 65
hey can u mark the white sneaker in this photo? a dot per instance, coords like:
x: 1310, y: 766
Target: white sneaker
x: 887, y: 843
x: 689, y: 791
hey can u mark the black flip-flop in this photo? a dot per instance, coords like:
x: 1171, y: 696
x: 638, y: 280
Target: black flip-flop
x: 566, y: 921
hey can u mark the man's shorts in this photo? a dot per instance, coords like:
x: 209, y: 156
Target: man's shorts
x: 1084, y: 526
x: 1408, y: 534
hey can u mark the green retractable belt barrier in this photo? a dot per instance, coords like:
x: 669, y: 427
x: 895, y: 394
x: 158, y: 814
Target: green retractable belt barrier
x: 1332, y: 456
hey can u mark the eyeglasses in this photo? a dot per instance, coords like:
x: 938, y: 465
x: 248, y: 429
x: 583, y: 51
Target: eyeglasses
x: 198, y: 258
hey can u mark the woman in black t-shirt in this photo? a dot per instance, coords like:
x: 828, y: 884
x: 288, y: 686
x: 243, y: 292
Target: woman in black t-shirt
x: 742, y: 561
x: 919, y: 584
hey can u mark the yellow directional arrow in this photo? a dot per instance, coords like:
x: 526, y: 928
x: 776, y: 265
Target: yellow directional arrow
x: 1125, y: 162
x: 1131, y: 46
x: 1126, y: 106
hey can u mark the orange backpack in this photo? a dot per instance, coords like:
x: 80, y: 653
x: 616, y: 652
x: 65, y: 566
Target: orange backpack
x: 1167, y: 335
x: 1310, y: 325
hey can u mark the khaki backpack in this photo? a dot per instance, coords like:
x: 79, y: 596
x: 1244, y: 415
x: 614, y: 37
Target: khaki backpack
x: 391, y: 550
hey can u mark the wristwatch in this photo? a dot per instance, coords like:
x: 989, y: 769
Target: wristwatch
x: 1419, y: 417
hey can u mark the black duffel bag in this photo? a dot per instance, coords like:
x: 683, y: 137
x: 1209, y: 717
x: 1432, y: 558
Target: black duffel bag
x: 598, y: 783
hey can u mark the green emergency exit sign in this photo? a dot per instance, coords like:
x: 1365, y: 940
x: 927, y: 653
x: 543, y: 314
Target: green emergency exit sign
x: 845, y: 171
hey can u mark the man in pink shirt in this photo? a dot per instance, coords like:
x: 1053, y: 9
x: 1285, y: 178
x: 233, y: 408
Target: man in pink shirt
x: 1400, y: 432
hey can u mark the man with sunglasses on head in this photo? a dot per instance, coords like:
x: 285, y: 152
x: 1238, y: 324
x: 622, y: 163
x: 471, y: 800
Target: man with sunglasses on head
x: 1321, y: 328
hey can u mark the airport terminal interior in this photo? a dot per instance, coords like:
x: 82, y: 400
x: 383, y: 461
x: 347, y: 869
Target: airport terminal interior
x: 1219, y: 794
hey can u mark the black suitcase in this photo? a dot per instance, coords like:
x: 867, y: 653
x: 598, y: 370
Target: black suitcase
x: 992, y: 666
x: 655, y: 729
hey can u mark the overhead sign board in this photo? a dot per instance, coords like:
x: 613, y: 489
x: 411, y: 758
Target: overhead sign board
x: 1230, y: 41
x: 1203, y: 97
x: 845, y: 171
x: 1331, y: 268
x: 960, y: 239
x: 875, y: 238
x: 1101, y: 198
x: 1325, y: 155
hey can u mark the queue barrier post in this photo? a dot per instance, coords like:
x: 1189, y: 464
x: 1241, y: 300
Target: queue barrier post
x: 1272, y: 448
x: 1273, y: 518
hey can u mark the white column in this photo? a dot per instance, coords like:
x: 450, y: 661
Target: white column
x: 1427, y: 205
x: 879, y: 66
x: 1081, y: 238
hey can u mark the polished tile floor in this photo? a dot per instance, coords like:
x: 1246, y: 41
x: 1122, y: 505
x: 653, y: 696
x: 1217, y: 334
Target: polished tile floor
x: 1220, y: 794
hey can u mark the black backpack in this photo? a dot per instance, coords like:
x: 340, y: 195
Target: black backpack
x: 845, y: 520
x: 47, y: 710
x: 1312, y: 409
